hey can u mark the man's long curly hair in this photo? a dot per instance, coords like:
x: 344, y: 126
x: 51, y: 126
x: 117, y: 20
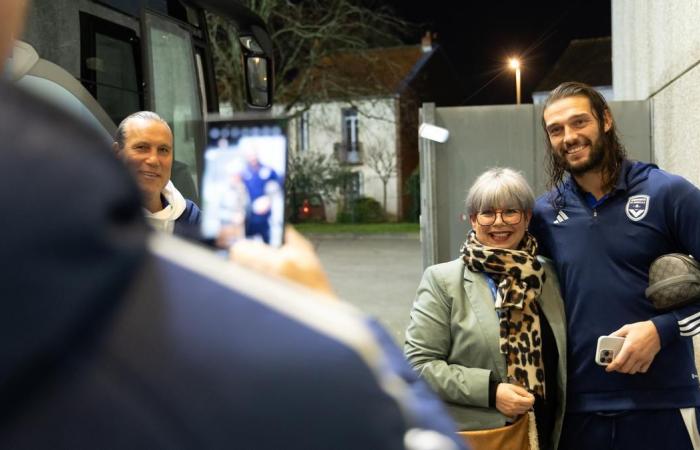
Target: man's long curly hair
x: 613, y: 151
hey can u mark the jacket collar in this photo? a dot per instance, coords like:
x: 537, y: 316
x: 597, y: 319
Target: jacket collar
x: 621, y: 185
x: 478, y: 294
x: 174, y: 205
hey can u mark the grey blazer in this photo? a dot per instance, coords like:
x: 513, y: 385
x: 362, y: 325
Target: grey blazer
x: 453, y: 339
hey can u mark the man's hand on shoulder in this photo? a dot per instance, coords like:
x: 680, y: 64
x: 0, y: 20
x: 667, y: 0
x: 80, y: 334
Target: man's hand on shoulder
x: 642, y: 343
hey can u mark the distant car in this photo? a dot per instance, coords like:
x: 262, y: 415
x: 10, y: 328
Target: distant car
x: 311, y: 208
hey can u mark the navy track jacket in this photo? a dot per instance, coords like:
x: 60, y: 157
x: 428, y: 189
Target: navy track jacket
x: 602, y: 256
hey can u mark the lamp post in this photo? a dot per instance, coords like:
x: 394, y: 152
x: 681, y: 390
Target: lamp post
x: 515, y: 65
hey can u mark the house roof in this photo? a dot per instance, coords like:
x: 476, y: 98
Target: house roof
x: 585, y: 60
x: 371, y: 72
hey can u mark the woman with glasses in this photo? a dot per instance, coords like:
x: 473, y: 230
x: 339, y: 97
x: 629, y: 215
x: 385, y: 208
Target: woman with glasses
x: 487, y: 329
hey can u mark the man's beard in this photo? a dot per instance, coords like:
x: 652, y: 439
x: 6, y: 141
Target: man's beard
x: 594, y: 161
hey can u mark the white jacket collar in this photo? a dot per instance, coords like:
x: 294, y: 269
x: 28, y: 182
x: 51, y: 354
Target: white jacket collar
x: 164, y: 220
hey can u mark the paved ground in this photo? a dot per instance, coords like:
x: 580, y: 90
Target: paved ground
x: 378, y: 274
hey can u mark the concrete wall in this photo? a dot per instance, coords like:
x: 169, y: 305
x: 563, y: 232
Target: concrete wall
x: 482, y: 137
x: 377, y: 130
x: 656, y: 56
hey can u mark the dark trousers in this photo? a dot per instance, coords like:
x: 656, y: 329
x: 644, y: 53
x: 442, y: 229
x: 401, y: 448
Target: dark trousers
x: 258, y: 227
x: 634, y: 430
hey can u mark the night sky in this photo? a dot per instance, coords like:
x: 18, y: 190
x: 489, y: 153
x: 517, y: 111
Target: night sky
x: 479, y: 38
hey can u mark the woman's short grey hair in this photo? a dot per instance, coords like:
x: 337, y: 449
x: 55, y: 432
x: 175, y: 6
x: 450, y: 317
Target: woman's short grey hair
x: 120, y: 135
x: 500, y: 187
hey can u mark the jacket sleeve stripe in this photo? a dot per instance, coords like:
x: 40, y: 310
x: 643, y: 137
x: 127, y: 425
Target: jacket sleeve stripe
x: 691, y: 329
x: 689, y: 319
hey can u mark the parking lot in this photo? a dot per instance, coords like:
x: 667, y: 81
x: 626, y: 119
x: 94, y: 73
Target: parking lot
x: 378, y: 274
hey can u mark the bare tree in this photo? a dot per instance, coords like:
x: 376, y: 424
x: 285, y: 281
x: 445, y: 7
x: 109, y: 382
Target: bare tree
x: 225, y: 49
x: 382, y: 161
x: 310, y: 38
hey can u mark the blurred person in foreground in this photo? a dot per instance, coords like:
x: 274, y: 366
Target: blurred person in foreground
x: 487, y: 329
x: 117, y: 337
x: 145, y: 142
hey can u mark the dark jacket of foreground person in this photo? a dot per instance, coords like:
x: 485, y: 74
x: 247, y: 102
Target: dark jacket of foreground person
x: 116, y: 339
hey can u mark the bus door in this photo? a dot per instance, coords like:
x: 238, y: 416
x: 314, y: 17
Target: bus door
x: 175, y: 93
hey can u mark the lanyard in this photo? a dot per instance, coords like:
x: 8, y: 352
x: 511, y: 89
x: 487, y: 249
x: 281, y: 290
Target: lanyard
x: 500, y: 313
x: 492, y: 286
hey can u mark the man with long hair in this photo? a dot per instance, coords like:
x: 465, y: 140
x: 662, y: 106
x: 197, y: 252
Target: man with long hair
x: 604, y: 221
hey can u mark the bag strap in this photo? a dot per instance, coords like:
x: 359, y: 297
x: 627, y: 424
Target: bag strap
x: 651, y: 290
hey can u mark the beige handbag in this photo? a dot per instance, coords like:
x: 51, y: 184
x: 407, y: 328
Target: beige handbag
x: 520, y: 435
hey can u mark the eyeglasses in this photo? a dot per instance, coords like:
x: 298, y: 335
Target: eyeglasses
x: 508, y: 216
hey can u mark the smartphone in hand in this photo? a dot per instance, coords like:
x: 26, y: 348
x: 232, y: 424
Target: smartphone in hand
x: 607, y: 349
x: 245, y: 164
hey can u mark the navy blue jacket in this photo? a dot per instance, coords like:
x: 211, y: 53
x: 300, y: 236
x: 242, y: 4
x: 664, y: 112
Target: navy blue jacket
x: 190, y: 215
x: 602, y: 257
x: 113, y: 338
x: 187, y: 225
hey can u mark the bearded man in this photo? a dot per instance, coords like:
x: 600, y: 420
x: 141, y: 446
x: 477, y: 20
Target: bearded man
x: 603, y: 223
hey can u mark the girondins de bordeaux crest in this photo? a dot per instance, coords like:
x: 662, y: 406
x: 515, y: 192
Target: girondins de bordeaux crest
x: 637, y: 207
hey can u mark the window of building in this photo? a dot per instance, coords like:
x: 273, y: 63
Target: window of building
x: 350, y: 132
x: 354, y: 187
x: 303, y: 132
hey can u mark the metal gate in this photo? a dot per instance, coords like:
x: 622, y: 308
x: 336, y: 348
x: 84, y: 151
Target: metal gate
x: 482, y: 137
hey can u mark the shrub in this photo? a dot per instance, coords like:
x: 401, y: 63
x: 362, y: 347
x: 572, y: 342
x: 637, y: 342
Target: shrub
x: 362, y: 210
x: 413, y: 188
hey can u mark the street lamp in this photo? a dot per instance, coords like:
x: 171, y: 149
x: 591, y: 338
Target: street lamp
x: 515, y: 65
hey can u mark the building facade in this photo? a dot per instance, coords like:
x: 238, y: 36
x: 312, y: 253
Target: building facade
x: 372, y: 127
x: 352, y: 133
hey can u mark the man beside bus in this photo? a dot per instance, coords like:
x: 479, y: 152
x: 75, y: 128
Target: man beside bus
x: 145, y: 142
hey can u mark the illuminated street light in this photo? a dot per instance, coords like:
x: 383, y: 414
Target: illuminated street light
x: 515, y: 65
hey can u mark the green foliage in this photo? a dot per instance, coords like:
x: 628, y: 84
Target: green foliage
x: 314, y: 173
x: 362, y: 210
x: 413, y: 188
x: 358, y: 228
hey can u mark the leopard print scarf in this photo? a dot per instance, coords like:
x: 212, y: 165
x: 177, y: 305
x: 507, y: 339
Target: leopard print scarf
x: 519, y: 277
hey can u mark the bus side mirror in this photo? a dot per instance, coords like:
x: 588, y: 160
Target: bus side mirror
x: 258, y: 73
x: 256, y: 48
x: 258, y: 87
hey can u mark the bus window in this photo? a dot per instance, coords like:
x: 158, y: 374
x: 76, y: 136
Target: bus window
x: 175, y: 95
x: 111, y: 66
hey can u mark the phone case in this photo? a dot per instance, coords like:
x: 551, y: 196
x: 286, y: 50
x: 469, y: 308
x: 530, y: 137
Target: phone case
x: 607, y: 349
